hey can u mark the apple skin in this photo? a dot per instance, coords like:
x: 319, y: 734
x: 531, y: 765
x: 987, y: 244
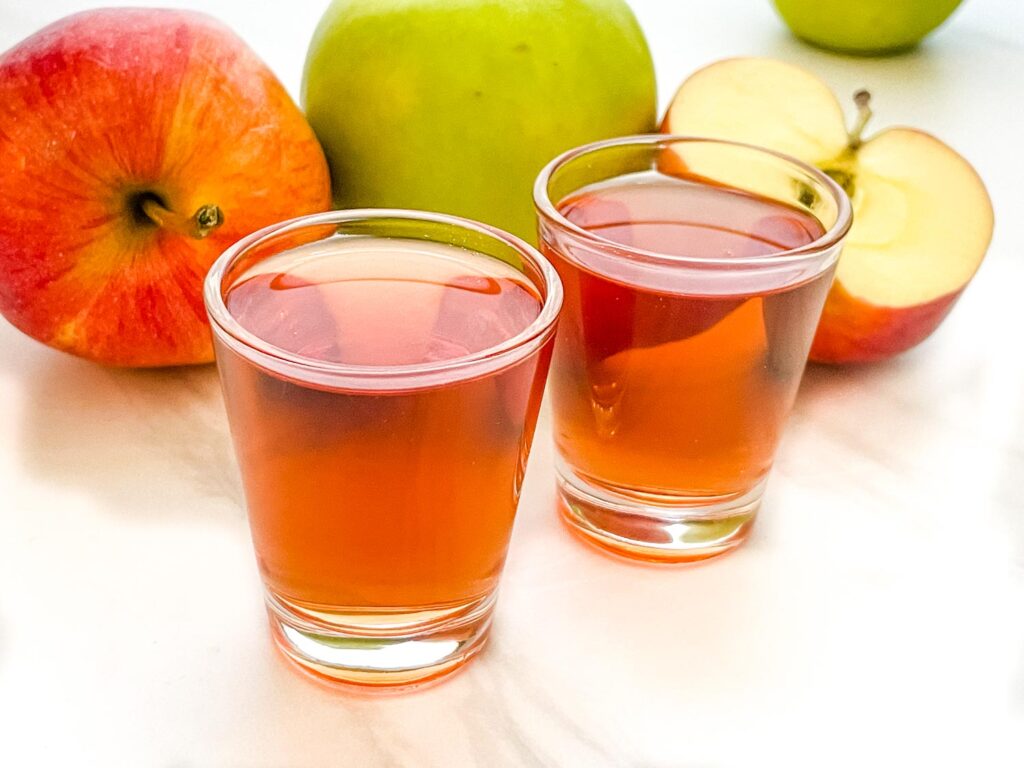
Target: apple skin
x: 855, y: 331
x: 106, y: 107
x: 922, y: 218
x: 456, y: 107
x: 864, y: 27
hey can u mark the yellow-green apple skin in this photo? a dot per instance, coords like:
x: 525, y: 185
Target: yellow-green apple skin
x: 456, y: 105
x: 865, y: 27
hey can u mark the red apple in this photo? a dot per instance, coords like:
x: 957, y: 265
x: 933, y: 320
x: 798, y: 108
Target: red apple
x: 135, y: 146
x: 922, y: 217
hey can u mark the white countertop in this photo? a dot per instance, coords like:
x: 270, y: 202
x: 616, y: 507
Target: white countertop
x: 876, y: 617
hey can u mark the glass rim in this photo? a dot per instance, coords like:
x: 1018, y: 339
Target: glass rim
x: 221, y: 319
x: 547, y: 210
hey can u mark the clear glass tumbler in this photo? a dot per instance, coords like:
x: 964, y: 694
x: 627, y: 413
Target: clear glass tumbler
x: 382, y: 372
x: 694, y: 272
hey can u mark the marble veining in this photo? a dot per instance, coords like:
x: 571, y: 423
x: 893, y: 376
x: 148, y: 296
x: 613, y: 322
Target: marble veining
x: 874, y: 618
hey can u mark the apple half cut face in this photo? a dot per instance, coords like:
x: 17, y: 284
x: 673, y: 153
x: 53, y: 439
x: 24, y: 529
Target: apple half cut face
x: 922, y: 217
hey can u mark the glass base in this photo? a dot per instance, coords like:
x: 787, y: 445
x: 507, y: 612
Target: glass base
x: 676, y: 529
x: 380, y: 649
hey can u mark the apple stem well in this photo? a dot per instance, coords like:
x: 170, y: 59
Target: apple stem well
x: 862, y: 99
x: 206, y: 219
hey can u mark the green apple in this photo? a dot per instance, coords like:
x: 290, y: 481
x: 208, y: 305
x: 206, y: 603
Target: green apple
x: 864, y: 26
x: 456, y: 105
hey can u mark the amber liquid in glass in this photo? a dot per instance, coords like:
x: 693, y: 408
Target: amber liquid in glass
x: 389, y: 500
x: 671, y: 392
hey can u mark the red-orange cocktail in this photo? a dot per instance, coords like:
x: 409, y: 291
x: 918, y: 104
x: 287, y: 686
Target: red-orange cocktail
x: 382, y: 377
x: 694, y: 274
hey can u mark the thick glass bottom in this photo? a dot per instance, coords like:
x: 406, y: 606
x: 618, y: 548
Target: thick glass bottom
x: 380, y: 649
x: 668, y: 529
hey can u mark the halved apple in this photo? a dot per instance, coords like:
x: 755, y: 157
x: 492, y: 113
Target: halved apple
x: 922, y: 217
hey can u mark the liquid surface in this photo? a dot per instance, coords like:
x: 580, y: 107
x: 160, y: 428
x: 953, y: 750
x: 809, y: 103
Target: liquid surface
x: 677, y: 217
x: 669, y: 393
x: 378, y: 302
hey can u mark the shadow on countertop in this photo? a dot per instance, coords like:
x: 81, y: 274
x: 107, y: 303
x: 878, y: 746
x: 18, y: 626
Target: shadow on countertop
x: 144, y: 442
x: 824, y: 381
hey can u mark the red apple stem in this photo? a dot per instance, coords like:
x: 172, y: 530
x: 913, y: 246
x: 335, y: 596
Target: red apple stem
x: 206, y: 219
x: 862, y: 99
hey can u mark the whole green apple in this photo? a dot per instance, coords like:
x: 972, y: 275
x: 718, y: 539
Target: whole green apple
x: 864, y: 27
x: 456, y: 105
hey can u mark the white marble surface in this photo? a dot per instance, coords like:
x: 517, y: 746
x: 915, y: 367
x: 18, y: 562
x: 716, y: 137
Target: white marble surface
x: 875, y: 618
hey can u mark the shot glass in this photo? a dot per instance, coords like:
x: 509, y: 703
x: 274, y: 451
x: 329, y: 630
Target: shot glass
x: 694, y: 273
x: 382, y: 372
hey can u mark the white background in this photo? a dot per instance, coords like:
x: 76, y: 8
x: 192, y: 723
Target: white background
x: 875, y: 618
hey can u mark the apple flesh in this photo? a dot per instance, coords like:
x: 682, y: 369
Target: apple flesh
x: 864, y: 27
x: 456, y: 107
x: 135, y: 146
x: 925, y: 222
x: 922, y: 217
